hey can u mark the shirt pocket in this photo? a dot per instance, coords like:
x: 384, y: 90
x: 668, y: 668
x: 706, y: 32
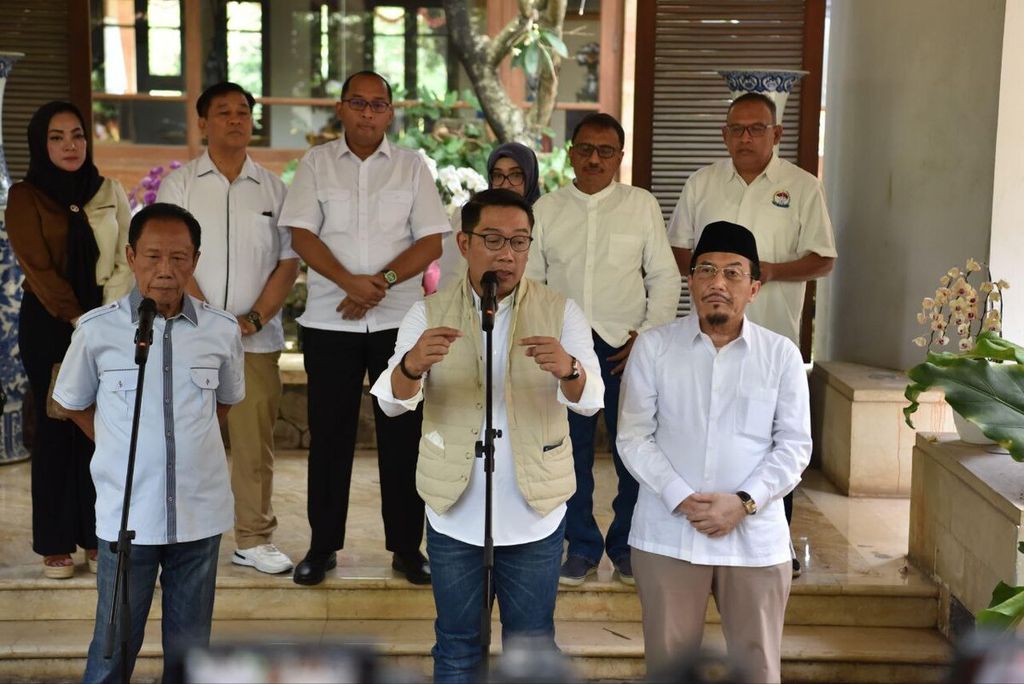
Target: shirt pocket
x: 203, y: 399
x: 756, y: 414
x: 625, y: 250
x: 394, y: 210
x: 120, y: 385
x: 337, y: 207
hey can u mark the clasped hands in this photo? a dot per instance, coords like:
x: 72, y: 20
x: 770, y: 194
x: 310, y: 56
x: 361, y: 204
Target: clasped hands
x: 363, y: 293
x: 714, y: 514
x: 434, y: 343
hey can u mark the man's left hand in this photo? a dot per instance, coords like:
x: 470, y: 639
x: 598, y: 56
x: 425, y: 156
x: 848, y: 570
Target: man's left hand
x: 350, y: 311
x: 722, y: 515
x: 246, y: 326
x: 767, y: 271
x: 549, y: 355
x: 623, y: 354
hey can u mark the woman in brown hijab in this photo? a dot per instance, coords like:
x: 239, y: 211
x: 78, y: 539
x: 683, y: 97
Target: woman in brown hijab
x: 68, y: 227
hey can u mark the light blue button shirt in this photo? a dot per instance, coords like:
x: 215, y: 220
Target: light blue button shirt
x: 181, y: 489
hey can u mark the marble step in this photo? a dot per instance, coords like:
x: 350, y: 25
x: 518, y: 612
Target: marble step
x: 378, y: 596
x: 47, y: 650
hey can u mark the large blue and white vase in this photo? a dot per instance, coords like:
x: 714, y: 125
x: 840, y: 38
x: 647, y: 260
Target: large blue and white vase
x: 13, y: 381
x: 775, y: 83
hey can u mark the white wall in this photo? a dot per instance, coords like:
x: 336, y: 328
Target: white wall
x: 908, y: 164
x: 1007, y: 248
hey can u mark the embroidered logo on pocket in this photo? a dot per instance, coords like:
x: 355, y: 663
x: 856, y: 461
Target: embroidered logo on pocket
x: 781, y: 199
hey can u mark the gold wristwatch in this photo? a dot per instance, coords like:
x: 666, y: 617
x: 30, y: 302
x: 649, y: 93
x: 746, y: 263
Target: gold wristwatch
x: 748, y: 503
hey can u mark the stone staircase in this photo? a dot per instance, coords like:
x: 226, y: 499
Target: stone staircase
x: 857, y: 632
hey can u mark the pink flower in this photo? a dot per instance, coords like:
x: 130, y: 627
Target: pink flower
x: 149, y: 197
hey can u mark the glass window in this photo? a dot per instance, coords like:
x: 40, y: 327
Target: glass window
x: 245, y: 45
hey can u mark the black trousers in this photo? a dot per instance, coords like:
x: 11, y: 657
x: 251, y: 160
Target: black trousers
x: 63, y: 496
x: 336, y: 363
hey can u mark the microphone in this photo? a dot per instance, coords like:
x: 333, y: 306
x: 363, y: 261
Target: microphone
x: 488, y: 299
x: 144, y: 334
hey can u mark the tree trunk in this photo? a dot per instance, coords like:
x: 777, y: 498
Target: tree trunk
x: 505, y: 118
x: 552, y: 16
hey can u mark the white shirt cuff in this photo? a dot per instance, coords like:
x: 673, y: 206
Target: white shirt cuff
x: 674, y: 493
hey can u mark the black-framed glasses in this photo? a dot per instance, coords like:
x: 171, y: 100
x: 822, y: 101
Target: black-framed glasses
x: 709, y: 271
x: 495, y: 242
x: 756, y: 130
x: 359, y: 104
x: 585, y: 150
x: 513, y: 178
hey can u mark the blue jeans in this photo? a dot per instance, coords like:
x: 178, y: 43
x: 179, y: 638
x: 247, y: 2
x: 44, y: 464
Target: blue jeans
x: 581, y: 530
x: 525, y: 582
x: 188, y: 575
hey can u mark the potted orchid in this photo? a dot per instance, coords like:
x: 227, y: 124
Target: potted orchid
x: 983, y: 379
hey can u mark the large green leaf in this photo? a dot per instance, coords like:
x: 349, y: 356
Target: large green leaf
x: 554, y: 41
x: 990, y: 395
x: 1005, y: 610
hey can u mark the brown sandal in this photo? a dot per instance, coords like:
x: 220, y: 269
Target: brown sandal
x: 60, y: 566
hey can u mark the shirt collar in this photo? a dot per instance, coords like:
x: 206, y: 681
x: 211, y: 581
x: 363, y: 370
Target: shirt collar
x: 771, y: 171
x: 188, y: 309
x: 384, y: 148
x: 205, y: 165
x: 596, y: 197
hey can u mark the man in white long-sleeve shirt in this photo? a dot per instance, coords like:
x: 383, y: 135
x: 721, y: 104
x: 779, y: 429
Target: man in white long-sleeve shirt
x: 544, y: 362
x: 715, y: 425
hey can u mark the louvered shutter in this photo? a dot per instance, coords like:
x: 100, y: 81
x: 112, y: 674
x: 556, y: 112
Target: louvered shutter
x: 40, y: 30
x: 678, y: 125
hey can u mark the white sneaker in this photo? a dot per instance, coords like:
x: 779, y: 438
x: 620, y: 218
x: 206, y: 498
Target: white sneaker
x: 265, y: 558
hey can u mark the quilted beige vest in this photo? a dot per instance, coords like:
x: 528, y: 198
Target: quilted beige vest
x: 454, y: 404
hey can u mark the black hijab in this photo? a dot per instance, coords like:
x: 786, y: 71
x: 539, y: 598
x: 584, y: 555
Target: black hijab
x: 527, y: 161
x: 72, y: 191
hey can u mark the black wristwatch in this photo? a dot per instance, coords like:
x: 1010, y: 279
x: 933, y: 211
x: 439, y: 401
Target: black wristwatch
x: 748, y: 503
x: 255, y: 318
x: 575, y: 370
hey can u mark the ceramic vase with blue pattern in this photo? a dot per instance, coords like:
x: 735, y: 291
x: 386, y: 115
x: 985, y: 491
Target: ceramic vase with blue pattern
x: 13, y: 381
x: 777, y: 84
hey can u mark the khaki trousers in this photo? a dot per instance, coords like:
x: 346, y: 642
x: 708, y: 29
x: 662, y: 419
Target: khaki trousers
x: 251, y: 431
x: 674, y: 599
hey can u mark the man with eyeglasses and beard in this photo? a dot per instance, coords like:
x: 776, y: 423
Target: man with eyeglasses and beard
x: 603, y: 244
x: 780, y: 203
x: 366, y: 218
x: 715, y: 425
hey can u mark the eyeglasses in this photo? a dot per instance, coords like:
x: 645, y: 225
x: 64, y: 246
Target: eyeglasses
x: 495, y: 242
x: 585, y: 150
x: 513, y: 178
x: 359, y: 104
x: 710, y: 271
x: 755, y: 130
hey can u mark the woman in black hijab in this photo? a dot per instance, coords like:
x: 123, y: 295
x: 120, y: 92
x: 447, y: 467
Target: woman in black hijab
x: 68, y: 227
x: 511, y: 166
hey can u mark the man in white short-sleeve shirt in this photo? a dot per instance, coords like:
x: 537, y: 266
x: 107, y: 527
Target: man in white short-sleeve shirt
x: 366, y: 217
x: 248, y: 268
x: 715, y: 425
x: 780, y: 203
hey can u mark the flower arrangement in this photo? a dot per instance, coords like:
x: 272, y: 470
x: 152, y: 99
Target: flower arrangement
x: 144, y: 193
x: 455, y: 184
x: 983, y: 380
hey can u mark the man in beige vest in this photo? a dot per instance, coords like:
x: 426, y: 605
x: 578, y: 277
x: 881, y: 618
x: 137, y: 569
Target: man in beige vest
x: 544, y: 362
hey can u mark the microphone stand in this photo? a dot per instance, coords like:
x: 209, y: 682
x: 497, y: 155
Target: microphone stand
x: 485, y: 450
x: 119, y: 601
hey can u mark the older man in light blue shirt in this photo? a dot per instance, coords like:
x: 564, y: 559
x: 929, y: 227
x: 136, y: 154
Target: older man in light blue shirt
x: 181, y: 500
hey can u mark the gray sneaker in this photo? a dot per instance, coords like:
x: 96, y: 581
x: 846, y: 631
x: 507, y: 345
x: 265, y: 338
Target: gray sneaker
x: 624, y: 571
x: 575, y: 571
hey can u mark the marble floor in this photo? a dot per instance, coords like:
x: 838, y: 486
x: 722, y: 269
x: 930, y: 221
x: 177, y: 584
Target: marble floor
x: 838, y: 539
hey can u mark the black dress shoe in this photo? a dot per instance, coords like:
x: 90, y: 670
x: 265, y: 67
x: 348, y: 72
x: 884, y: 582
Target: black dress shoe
x: 314, y: 567
x: 413, y: 565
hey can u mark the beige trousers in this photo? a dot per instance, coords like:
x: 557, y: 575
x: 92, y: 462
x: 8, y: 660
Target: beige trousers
x: 251, y: 431
x: 674, y: 600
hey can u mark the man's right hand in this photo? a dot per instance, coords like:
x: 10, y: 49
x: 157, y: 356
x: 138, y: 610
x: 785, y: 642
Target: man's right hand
x: 431, y: 348
x: 691, y: 506
x: 365, y: 290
